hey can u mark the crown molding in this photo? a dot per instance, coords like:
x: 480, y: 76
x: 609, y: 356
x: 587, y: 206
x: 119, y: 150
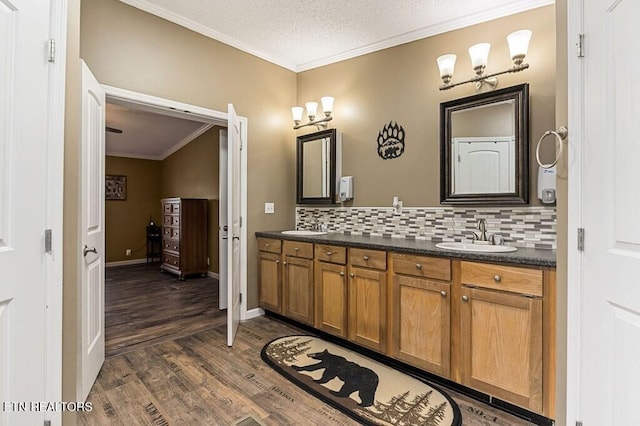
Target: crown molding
x: 476, y: 18
x: 199, y: 131
x: 208, y: 32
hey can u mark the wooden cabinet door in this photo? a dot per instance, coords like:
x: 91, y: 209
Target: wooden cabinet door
x: 420, y: 326
x: 367, y: 308
x: 331, y: 298
x: 297, y: 287
x: 269, y: 281
x: 502, y: 345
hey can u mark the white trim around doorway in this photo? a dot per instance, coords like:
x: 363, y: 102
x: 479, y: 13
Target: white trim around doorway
x: 178, y: 109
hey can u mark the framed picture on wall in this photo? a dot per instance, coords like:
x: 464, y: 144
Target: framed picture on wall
x: 115, y: 187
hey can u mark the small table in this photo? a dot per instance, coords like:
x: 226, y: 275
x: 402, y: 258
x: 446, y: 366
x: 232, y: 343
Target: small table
x: 154, y: 243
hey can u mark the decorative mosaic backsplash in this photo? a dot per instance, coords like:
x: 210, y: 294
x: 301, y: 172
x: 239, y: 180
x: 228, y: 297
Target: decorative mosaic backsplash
x: 532, y: 227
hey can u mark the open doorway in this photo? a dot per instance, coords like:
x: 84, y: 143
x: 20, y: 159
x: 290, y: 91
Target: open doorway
x: 162, y: 150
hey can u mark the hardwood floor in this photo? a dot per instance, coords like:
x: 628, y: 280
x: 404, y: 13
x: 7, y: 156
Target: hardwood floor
x: 144, y: 306
x: 177, y: 375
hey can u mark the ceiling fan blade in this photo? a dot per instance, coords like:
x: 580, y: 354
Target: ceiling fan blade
x: 112, y: 130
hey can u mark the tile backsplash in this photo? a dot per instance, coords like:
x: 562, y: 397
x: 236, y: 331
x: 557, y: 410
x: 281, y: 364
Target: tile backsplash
x: 532, y: 227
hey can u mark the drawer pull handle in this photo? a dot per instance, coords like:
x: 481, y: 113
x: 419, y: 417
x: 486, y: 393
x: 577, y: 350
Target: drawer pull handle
x: 419, y: 266
x: 497, y: 278
x: 465, y: 298
x: 365, y: 257
x: 296, y: 249
x: 267, y: 244
x: 443, y: 293
x: 352, y: 275
x: 329, y: 253
x: 341, y: 274
x: 284, y: 263
x: 277, y: 262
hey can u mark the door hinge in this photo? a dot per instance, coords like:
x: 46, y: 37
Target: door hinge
x: 52, y: 51
x: 47, y: 423
x: 47, y: 240
x: 240, y: 298
x: 240, y: 221
x: 580, y: 45
x: 580, y: 239
x: 578, y: 423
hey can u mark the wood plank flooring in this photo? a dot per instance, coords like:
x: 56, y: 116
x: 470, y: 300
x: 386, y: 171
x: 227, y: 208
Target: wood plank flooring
x: 144, y: 306
x: 193, y: 378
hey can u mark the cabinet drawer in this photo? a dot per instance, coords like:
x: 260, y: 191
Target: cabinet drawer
x: 171, y: 220
x: 169, y: 232
x: 171, y: 260
x: 507, y: 278
x: 331, y: 254
x: 269, y: 245
x: 422, y: 266
x: 298, y: 249
x: 171, y: 208
x: 374, y: 259
x: 171, y: 245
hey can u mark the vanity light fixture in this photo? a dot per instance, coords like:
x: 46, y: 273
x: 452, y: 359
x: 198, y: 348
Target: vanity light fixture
x: 312, y: 108
x: 518, y: 45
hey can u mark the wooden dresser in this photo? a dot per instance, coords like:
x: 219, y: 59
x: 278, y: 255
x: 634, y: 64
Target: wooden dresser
x: 184, y: 236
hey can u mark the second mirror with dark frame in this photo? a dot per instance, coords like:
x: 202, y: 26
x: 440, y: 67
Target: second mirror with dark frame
x: 484, y: 148
x: 316, y: 167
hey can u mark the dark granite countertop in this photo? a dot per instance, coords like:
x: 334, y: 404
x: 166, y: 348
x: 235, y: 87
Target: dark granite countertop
x: 523, y: 256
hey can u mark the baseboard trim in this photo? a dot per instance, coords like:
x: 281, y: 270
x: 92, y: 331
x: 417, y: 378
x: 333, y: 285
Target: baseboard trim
x: 213, y: 275
x: 254, y: 313
x: 125, y: 262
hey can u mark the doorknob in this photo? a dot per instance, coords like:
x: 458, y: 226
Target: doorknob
x: 235, y: 237
x: 225, y: 228
x: 87, y: 250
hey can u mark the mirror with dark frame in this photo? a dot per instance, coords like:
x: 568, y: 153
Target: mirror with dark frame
x: 484, y: 148
x: 316, y: 168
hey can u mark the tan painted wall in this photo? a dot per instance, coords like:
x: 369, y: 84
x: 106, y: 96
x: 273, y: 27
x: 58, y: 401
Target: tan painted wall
x: 401, y: 84
x: 133, y: 50
x: 130, y: 49
x: 71, y: 247
x: 193, y: 172
x: 126, y: 221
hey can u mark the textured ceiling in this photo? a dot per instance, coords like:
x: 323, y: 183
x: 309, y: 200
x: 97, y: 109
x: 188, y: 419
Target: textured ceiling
x: 304, y: 34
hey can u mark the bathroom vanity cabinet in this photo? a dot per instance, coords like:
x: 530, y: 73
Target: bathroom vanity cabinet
x: 483, y: 322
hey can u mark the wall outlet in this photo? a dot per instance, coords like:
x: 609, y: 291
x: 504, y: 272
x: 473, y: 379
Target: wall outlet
x: 269, y: 208
x: 127, y: 252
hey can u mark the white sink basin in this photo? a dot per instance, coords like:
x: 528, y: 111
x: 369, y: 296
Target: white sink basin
x: 482, y: 248
x: 303, y: 232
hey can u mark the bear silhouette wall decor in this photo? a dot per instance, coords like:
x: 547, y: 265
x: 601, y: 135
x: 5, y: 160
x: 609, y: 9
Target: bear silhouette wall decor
x: 391, y: 141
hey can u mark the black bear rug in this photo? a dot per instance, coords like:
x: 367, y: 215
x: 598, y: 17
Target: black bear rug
x: 362, y: 388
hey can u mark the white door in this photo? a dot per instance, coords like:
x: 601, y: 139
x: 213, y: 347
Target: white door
x: 484, y: 165
x: 223, y: 221
x: 609, y: 315
x: 91, y: 232
x: 24, y: 140
x: 236, y: 139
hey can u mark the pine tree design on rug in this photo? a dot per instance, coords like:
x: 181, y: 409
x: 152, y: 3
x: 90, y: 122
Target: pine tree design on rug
x: 397, y: 411
x: 288, y: 350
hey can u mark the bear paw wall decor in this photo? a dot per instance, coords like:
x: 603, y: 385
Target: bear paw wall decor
x: 391, y: 141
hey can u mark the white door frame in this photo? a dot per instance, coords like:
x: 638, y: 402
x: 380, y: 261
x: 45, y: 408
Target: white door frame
x: 182, y: 110
x: 55, y: 209
x: 574, y: 214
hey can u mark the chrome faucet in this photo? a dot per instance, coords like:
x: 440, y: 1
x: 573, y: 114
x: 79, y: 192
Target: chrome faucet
x: 482, y: 236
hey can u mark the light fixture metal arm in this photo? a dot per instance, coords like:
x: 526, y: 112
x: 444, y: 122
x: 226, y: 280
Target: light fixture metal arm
x: 319, y: 123
x: 515, y: 68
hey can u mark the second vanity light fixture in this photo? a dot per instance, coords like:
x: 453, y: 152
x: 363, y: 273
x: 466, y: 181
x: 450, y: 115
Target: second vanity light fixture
x: 312, y: 108
x: 518, y: 46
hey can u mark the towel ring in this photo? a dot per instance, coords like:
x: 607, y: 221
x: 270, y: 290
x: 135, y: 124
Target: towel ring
x: 561, y: 135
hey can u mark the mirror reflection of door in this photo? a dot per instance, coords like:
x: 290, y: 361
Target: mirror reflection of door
x: 315, y: 167
x: 483, y: 165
